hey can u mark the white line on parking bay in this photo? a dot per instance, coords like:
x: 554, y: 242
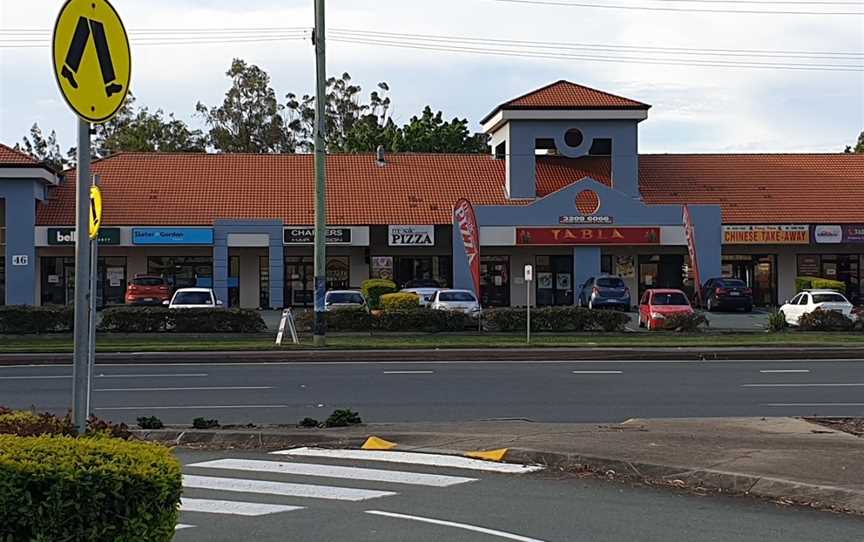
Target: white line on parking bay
x: 164, y: 375
x: 215, y: 388
x: 58, y: 377
x: 784, y: 371
x: 409, y: 372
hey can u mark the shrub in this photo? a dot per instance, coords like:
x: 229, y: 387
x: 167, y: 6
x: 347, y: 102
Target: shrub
x: 807, y: 283
x: 99, y: 490
x: 776, y: 321
x: 373, y: 289
x: 556, y: 319
x: 685, y: 323
x: 339, y: 320
x: 343, y: 417
x: 217, y: 321
x: 22, y: 319
x: 400, y: 301
x: 135, y: 319
x: 99, y: 427
x: 821, y: 320
x: 309, y: 422
x: 203, y: 423
x: 421, y: 319
x: 150, y: 422
x: 31, y: 424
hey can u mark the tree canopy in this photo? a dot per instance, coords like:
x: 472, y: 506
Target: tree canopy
x: 859, y: 147
x: 44, y: 149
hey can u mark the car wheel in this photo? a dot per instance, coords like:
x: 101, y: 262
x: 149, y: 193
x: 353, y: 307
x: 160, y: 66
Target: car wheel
x: 591, y: 304
x: 710, y: 305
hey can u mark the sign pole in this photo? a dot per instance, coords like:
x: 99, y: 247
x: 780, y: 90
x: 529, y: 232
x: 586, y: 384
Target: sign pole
x: 320, y: 325
x: 80, y: 374
x: 529, y: 277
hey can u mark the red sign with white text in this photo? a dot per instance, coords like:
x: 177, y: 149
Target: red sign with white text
x: 466, y: 223
x: 587, y: 236
x: 690, y: 234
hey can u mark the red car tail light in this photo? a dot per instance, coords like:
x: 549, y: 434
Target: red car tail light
x: 721, y: 291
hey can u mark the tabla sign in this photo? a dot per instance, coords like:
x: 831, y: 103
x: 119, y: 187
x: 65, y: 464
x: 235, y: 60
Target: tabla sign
x: 587, y: 236
x: 411, y: 236
x: 306, y: 236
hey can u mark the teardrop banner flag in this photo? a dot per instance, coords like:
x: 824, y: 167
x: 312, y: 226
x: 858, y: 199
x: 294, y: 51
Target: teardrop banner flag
x: 466, y: 223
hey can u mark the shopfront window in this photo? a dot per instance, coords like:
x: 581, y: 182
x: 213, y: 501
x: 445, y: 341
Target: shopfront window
x: 2, y: 275
x: 495, y: 281
x: 58, y: 281
x: 759, y: 273
x: 408, y: 270
x: 300, y: 278
x: 183, y: 271
x: 554, y: 280
x: 661, y: 271
x: 264, y: 282
x: 845, y: 268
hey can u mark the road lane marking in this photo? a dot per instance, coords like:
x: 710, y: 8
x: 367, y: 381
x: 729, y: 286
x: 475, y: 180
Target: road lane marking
x: 464, y: 526
x: 234, y: 508
x: 811, y: 404
x: 414, y: 458
x: 164, y: 375
x: 784, y: 371
x: 331, y: 471
x: 598, y: 372
x: 286, y: 489
x: 189, y: 407
x: 180, y: 526
x: 805, y: 385
x: 409, y: 372
x: 223, y: 388
x: 35, y: 377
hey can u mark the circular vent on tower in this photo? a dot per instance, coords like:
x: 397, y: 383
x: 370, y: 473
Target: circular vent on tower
x: 573, y: 137
x: 587, y: 202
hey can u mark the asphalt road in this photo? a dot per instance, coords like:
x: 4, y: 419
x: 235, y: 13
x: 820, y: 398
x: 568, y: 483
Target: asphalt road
x: 330, y: 499
x: 449, y: 391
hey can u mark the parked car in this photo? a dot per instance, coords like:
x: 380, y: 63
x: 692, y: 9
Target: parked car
x: 657, y: 305
x: 727, y: 293
x: 194, y: 298
x: 147, y: 290
x: 344, y: 299
x: 424, y: 293
x: 810, y: 300
x: 604, y: 291
x: 456, y: 300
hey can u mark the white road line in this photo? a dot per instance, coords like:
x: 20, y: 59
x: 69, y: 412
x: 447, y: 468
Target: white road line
x: 309, y: 491
x: 164, y: 375
x: 234, y: 508
x: 330, y: 471
x: 414, y: 458
x: 409, y: 372
x: 464, y: 526
x: 180, y: 526
x: 811, y: 404
x: 598, y: 372
x: 189, y: 407
x: 214, y: 388
x: 35, y: 377
x: 805, y: 385
x: 784, y: 371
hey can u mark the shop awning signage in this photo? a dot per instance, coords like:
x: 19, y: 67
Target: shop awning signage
x: 411, y: 236
x: 788, y: 234
x: 66, y: 236
x: 828, y: 234
x: 306, y: 236
x: 172, y: 236
x: 853, y: 233
x: 588, y: 236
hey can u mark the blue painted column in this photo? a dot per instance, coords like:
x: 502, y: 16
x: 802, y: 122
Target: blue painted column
x: 220, y: 265
x: 708, y: 230
x: 277, y: 270
x: 20, y: 199
x: 586, y: 264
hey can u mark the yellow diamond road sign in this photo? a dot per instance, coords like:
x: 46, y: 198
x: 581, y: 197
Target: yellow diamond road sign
x: 95, y: 211
x: 92, y: 61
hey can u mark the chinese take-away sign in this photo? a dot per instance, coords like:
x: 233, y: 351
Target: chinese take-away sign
x: 92, y: 61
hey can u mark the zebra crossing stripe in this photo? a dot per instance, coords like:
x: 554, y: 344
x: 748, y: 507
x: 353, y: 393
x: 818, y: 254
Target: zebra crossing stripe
x: 232, y: 507
x: 333, y: 471
x: 414, y: 458
x: 283, y: 488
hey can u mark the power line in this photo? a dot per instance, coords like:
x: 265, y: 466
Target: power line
x: 769, y: 2
x: 684, y: 10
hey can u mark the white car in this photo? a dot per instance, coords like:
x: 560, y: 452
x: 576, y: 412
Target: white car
x: 455, y: 300
x: 810, y: 300
x: 425, y: 294
x: 344, y: 299
x: 194, y: 298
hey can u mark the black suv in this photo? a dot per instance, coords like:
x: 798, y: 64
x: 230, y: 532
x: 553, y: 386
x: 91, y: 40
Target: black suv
x: 726, y: 293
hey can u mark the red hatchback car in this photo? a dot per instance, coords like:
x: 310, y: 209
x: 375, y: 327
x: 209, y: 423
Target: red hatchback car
x: 657, y: 305
x: 147, y: 290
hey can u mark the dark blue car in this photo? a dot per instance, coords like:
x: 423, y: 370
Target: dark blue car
x: 605, y: 292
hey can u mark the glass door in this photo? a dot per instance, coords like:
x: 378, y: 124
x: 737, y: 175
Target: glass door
x: 553, y: 277
x: 299, y: 276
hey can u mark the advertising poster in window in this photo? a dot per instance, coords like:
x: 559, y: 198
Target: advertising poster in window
x: 382, y: 267
x: 625, y: 267
x: 544, y: 281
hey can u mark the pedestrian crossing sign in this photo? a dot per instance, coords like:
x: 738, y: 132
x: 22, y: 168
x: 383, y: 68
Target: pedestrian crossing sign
x: 95, y: 212
x: 92, y: 61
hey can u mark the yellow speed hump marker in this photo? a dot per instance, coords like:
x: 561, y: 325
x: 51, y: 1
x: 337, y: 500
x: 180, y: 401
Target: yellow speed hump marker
x: 488, y: 455
x: 376, y: 443
x: 95, y: 211
x: 92, y: 60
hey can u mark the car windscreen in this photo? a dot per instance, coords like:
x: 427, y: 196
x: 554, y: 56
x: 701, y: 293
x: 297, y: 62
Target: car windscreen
x: 828, y: 298
x: 148, y: 281
x: 670, y: 299
x: 610, y: 282
x: 456, y: 296
x: 731, y: 283
x: 346, y: 297
x: 192, y: 298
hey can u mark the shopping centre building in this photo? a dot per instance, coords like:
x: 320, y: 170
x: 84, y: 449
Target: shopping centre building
x: 563, y: 187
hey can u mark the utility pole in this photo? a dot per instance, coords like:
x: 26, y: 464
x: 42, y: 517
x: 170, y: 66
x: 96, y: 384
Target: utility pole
x: 80, y: 372
x: 320, y: 325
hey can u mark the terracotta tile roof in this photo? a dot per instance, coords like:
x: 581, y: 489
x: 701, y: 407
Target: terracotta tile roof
x: 10, y: 156
x: 196, y: 189
x: 566, y: 95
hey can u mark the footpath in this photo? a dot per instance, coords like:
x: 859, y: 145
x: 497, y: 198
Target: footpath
x: 786, y: 460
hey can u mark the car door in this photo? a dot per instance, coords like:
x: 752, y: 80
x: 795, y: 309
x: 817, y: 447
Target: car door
x: 583, y: 295
x: 644, y: 309
x: 802, y: 307
x: 790, y: 308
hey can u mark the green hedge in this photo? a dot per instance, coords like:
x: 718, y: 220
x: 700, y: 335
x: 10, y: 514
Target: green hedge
x: 94, y: 489
x: 22, y: 319
x: 685, y: 323
x: 400, y: 301
x: 821, y: 320
x: 816, y: 283
x: 419, y: 319
x: 555, y: 319
x: 156, y: 319
x: 373, y: 289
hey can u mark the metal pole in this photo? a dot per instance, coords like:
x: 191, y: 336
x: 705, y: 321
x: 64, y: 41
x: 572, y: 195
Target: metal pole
x: 528, y: 308
x: 320, y: 326
x: 94, y: 294
x: 82, y: 281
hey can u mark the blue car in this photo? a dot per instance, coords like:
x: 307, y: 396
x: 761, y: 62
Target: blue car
x: 605, y: 292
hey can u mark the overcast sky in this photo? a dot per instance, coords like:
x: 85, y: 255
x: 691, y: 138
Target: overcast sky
x: 695, y: 109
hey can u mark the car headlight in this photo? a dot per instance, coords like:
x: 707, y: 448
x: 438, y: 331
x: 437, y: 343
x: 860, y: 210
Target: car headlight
x: 657, y: 316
